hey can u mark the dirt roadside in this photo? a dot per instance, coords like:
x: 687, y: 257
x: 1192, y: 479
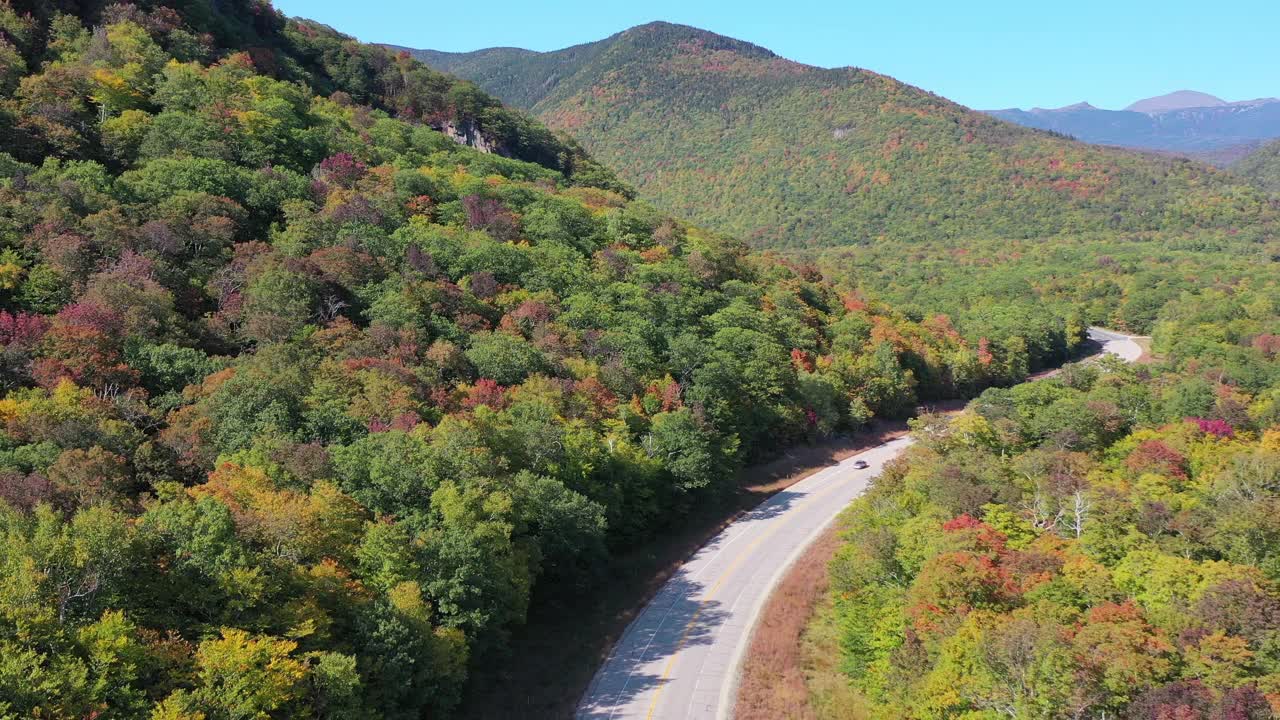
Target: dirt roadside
x: 773, y: 685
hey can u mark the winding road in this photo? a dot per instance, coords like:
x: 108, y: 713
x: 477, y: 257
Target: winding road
x: 680, y: 658
x: 1116, y: 344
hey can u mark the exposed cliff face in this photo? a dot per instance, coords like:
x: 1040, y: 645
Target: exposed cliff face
x: 466, y: 133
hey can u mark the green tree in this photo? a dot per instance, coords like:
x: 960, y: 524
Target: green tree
x: 504, y: 358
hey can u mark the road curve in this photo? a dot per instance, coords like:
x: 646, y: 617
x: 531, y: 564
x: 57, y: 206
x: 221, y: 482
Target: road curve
x: 1116, y: 343
x: 680, y: 658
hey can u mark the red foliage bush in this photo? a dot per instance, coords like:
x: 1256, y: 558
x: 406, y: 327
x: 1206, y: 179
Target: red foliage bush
x: 1214, y: 426
x: 22, y: 330
x: 485, y: 392
x: 342, y: 169
x: 1154, y: 456
x: 492, y: 216
x: 802, y: 360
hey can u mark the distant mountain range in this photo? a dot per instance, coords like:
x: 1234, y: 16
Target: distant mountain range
x: 1186, y: 122
x: 745, y: 142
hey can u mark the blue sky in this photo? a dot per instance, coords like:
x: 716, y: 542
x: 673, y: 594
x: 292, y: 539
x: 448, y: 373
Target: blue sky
x: 986, y: 54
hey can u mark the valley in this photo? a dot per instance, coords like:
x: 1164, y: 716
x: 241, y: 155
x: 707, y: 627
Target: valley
x: 342, y: 380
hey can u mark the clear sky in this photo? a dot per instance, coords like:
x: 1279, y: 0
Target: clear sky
x: 986, y: 54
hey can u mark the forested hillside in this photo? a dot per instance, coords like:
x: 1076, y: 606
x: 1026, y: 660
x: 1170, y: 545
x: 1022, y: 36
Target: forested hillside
x: 58, y: 111
x: 1262, y: 166
x: 788, y: 155
x: 305, y: 401
x: 1099, y: 545
x: 1097, y: 278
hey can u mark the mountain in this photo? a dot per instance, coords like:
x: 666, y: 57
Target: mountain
x: 1185, y: 123
x: 743, y: 141
x: 1179, y: 100
x: 1262, y: 166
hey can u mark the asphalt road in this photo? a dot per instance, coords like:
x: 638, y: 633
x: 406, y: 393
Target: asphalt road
x: 679, y: 659
x: 1116, y: 344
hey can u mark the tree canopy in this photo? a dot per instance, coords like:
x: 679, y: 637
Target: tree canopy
x: 1099, y: 544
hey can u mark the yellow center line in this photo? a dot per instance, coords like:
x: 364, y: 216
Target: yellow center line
x: 729, y: 571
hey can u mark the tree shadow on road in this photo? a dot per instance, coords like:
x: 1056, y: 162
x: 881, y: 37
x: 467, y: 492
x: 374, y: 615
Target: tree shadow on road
x: 777, y: 505
x: 673, y: 621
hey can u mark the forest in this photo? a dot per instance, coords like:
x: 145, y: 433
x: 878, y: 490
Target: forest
x: 320, y: 368
x: 1122, y: 281
x: 1262, y: 166
x: 1102, y: 544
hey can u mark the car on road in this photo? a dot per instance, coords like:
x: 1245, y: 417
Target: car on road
x: 861, y: 464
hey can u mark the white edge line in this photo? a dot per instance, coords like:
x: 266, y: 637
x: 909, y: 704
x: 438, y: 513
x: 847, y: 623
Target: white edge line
x: 722, y: 535
x: 729, y: 689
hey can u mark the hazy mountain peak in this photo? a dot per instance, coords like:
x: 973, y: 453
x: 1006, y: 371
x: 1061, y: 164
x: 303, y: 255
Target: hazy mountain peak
x: 1082, y: 105
x: 1187, y: 123
x: 1178, y: 100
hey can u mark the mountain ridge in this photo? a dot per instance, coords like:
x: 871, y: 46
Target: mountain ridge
x: 468, y: 64
x: 750, y: 143
x: 1187, y: 123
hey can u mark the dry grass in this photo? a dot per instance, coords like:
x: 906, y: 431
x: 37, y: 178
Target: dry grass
x: 772, y: 684
x: 1145, y: 343
x: 792, y: 668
